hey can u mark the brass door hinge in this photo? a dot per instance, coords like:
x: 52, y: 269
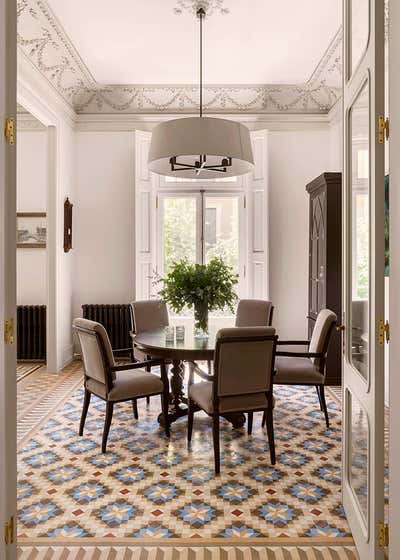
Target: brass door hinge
x: 9, y: 331
x: 9, y: 131
x: 244, y: 201
x: 383, y: 534
x: 157, y: 202
x: 383, y: 332
x: 9, y: 531
x: 383, y: 129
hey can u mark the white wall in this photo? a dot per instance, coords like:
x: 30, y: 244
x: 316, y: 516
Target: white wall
x: 31, y: 197
x: 295, y: 158
x: 103, y: 219
x: 34, y: 94
x: 103, y: 268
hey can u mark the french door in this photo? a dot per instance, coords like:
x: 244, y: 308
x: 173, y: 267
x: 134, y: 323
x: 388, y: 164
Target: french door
x: 363, y: 371
x: 199, y: 225
x: 7, y: 280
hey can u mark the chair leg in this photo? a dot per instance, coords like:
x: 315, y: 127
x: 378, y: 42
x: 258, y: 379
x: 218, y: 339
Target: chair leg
x: 319, y: 398
x: 135, y: 409
x: 249, y: 423
x: 270, y: 431
x: 107, y: 424
x: 165, y: 412
x: 190, y: 420
x: 216, y: 443
x: 264, y: 419
x: 147, y: 401
x: 86, y: 402
x: 324, y: 407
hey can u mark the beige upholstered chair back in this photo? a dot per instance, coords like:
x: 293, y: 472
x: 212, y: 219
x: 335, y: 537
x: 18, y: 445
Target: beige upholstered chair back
x: 244, y: 360
x: 149, y: 314
x: 96, y: 349
x: 324, y: 324
x: 254, y: 313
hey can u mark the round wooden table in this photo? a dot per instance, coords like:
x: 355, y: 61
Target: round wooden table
x: 154, y: 344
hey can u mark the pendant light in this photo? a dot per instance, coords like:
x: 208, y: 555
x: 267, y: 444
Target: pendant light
x: 201, y: 147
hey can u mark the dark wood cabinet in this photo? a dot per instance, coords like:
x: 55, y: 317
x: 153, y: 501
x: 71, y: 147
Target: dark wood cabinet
x: 325, y: 261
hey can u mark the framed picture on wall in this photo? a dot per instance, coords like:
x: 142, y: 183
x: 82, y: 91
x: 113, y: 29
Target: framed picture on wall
x: 31, y: 230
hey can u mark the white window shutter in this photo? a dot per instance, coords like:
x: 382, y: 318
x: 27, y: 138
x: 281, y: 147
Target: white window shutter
x: 257, y: 211
x: 145, y: 261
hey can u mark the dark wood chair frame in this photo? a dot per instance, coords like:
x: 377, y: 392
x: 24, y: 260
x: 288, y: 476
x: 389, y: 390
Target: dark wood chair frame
x: 109, y: 370
x: 132, y: 333
x: 321, y: 356
x: 268, y: 412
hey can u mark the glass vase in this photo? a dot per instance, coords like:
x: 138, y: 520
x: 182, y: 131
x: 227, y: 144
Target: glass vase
x: 201, y: 320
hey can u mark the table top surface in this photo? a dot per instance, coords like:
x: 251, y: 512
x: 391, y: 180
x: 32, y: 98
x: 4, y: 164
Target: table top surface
x: 156, y: 340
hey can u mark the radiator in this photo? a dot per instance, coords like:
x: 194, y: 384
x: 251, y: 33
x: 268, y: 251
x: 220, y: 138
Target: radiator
x: 116, y: 319
x: 31, y: 332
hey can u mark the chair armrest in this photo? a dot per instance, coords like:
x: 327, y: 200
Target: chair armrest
x: 293, y: 343
x: 194, y: 368
x: 300, y: 354
x: 137, y: 365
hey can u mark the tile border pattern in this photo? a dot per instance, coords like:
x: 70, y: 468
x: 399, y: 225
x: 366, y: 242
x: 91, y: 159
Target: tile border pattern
x: 190, y: 552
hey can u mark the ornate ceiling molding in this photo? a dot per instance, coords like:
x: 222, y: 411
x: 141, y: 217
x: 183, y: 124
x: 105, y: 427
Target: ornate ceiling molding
x: 209, y: 6
x: 43, y: 40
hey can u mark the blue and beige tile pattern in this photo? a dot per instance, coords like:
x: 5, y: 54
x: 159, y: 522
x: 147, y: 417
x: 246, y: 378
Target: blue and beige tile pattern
x: 149, y: 487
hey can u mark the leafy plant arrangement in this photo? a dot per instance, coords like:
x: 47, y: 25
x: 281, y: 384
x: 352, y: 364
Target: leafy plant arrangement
x: 203, y: 287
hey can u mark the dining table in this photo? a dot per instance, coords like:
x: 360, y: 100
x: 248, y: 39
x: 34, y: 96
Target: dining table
x: 156, y: 344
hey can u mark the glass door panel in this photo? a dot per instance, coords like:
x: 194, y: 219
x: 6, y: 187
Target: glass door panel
x: 360, y: 269
x: 179, y: 230
x: 221, y: 229
x: 359, y: 31
x: 359, y: 458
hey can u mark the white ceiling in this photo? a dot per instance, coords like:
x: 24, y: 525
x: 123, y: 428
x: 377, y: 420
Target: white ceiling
x: 144, y: 42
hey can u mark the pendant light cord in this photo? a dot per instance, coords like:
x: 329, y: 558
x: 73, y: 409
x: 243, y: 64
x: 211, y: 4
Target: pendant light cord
x: 201, y: 15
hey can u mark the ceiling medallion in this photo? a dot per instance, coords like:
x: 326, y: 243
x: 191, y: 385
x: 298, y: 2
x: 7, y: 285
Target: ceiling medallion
x: 209, y: 6
x: 201, y: 146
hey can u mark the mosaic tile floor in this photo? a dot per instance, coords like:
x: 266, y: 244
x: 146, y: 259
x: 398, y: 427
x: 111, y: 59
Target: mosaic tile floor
x: 147, y: 486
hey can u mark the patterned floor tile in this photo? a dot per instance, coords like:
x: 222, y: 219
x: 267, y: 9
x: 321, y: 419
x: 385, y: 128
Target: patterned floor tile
x: 147, y: 486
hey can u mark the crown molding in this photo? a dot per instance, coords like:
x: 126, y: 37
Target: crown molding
x: 44, y: 42
x: 37, y: 96
x: 27, y: 122
x: 130, y: 123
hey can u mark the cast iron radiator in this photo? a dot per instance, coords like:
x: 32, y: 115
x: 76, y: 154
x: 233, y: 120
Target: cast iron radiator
x: 31, y: 332
x: 116, y: 319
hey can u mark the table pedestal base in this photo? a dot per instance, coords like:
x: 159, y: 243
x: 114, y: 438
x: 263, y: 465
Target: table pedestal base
x: 177, y: 407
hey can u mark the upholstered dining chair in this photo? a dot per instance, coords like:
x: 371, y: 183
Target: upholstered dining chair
x: 241, y: 382
x: 114, y: 383
x: 254, y: 313
x: 146, y: 316
x: 307, y: 367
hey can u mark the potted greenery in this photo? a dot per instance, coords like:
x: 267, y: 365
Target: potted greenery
x: 202, y: 287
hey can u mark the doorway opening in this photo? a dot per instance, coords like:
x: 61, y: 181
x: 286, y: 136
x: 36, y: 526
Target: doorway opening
x: 32, y: 252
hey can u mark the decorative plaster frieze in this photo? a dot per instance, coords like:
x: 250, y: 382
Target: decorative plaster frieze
x: 209, y: 6
x: 43, y: 40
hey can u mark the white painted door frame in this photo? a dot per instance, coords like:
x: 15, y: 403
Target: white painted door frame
x: 394, y: 304
x: 39, y: 110
x: 8, y: 480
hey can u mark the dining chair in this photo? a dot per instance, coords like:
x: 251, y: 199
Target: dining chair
x: 254, y: 313
x: 146, y: 316
x: 112, y: 383
x: 241, y: 381
x: 307, y: 367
